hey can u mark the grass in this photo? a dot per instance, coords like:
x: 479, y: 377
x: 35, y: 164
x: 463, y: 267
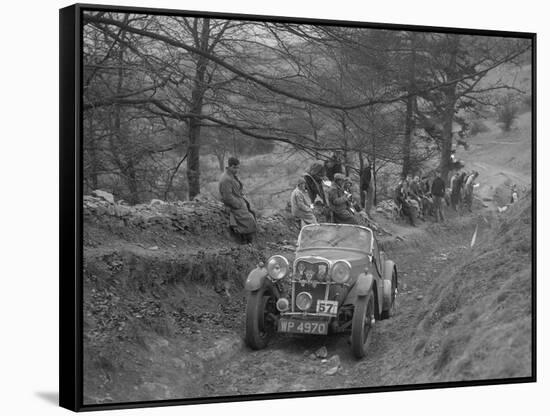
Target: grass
x: 481, y: 312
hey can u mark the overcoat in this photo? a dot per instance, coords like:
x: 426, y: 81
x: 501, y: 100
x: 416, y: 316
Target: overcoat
x: 300, y: 207
x: 241, y: 216
x: 339, y: 204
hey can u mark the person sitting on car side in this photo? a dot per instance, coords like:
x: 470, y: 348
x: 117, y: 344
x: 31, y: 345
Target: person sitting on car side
x: 339, y: 201
x: 300, y: 206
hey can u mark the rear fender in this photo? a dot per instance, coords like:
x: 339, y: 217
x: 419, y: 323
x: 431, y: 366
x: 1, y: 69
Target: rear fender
x: 362, y: 287
x: 389, y: 268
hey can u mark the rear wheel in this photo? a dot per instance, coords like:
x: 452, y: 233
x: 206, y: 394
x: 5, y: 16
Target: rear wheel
x: 361, y: 325
x: 260, y: 318
x: 390, y: 311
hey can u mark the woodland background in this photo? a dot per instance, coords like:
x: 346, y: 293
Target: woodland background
x: 167, y: 99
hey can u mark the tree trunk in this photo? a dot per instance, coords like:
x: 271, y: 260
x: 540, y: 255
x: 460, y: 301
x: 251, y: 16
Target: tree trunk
x: 449, y: 93
x: 221, y: 160
x: 373, y: 178
x: 411, y: 106
x: 447, y: 142
x: 409, y: 128
x: 194, y: 126
x: 92, y: 154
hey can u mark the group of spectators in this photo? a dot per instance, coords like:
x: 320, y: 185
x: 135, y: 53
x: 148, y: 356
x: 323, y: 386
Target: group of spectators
x: 462, y: 190
x: 421, y: 197
x: 343, y: 207
x: 413, y: 196
x: 339, y: 199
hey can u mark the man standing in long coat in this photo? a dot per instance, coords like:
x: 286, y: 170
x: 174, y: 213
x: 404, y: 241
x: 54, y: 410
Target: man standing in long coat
x: 300, y: 206
x: 242, y: 219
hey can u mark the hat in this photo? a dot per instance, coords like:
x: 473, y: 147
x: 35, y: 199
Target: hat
x: 233, y: 161
x: 347, y: 179
x: 339, y: 177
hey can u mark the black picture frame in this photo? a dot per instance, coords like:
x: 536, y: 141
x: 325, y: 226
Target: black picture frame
x: 71, y: 219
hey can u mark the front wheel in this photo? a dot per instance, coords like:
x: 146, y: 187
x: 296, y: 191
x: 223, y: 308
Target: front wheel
x: 363, y: 318
x: 260, y: 318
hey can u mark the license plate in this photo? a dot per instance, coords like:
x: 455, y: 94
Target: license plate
x: 296, y: 326
x: 329, y: 307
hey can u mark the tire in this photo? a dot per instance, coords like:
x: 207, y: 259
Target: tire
x: 258, y: 326
x: 362, y: 324
x: 389, y: 313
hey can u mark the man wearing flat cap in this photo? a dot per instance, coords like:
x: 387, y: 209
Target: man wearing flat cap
x: 242, y: 219
x: 339, y: 200
x: 300, y: 206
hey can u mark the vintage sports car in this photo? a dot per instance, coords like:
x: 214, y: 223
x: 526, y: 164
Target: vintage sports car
x: 339, y: 282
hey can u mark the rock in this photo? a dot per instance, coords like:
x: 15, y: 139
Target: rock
x: 104, y: 195
x: 153, y: 248
x: 334, y: 361
x: 157, y: 202
x: 322, y: 352
x: 312, y: 356
x: 331, y: 371
x: 419, y: 297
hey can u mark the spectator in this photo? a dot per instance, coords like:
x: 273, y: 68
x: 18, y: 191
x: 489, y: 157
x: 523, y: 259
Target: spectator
x: 514, y: 194
x: 365, y: 187
x: 242, y: 219
x: 339, y: 202
x: 314, y: 181
x: 353, y: 205
x: 403, y: 203
x: 300, y: 206
x: 469, y: 190
x: 438, y: 194
x: 335, y: 165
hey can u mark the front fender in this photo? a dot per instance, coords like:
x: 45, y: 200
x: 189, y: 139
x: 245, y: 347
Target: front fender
x: 364, y: 284
x: 256, y: 279
x: 362, y: 287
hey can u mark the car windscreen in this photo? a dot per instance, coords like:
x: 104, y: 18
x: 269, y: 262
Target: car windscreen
x: 340, y: 236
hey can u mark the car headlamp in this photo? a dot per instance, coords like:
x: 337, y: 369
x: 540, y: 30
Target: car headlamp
x: 277, y: 267
x: 282, y: 305
x: 303, y: 301
x: 340, y: 272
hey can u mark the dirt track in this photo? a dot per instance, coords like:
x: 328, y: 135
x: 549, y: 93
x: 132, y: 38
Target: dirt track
x: 289, y: 362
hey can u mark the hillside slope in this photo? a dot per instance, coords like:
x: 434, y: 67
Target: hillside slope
x: 475, y: 320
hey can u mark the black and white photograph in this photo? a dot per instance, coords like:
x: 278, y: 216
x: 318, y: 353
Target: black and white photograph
x: 283, y: 207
